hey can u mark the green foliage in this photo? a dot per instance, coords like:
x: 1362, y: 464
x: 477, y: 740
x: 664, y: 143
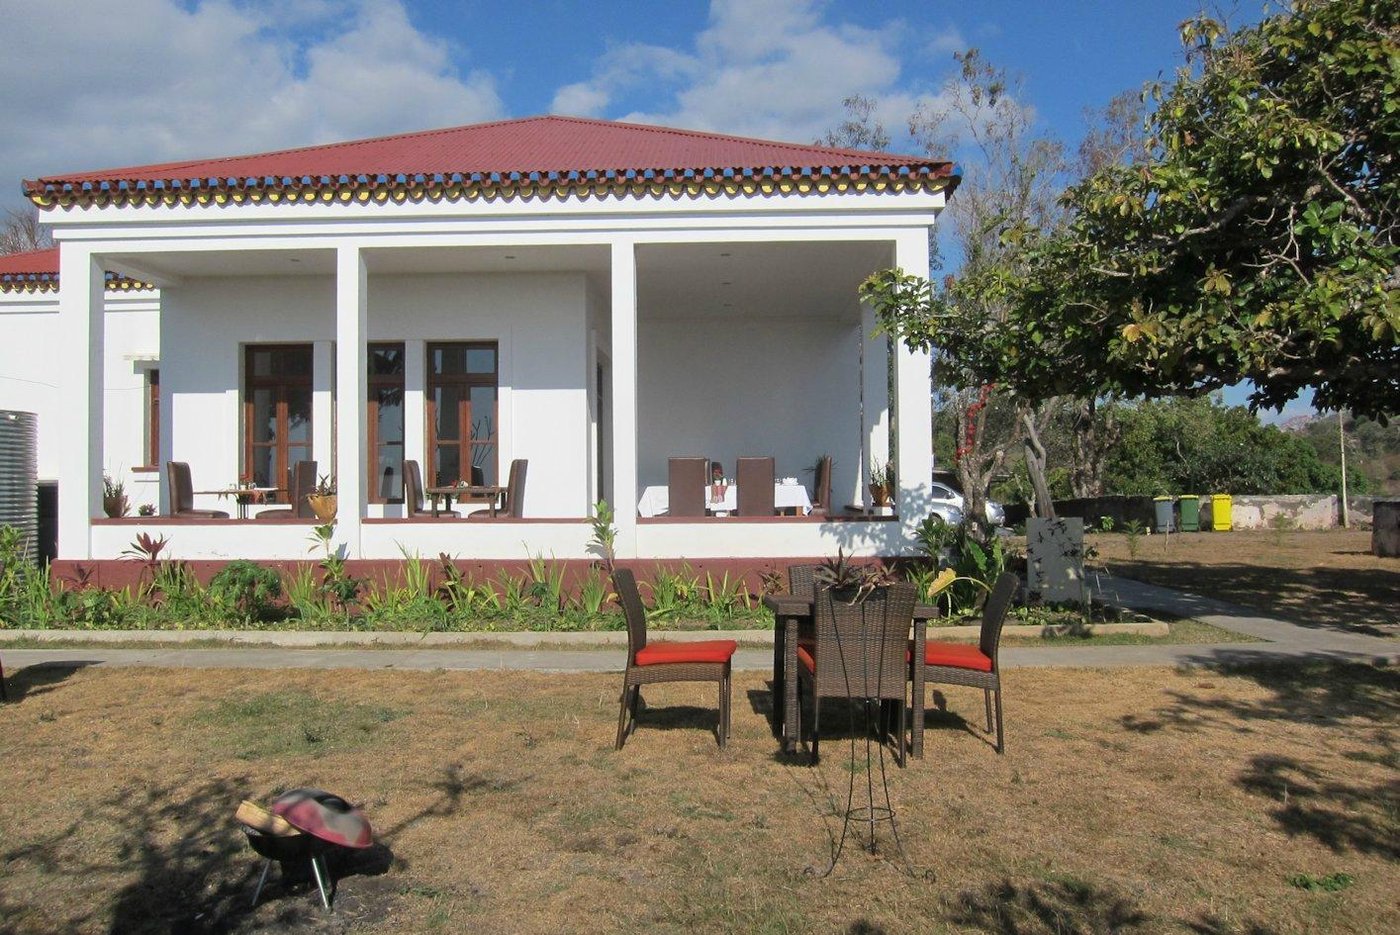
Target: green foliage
x: 1332, y: 883
x: 1256, y: 239
x: 604, y: 534
x: 1132, y: 532
x: 1203, y: 446
x: 246, y: 589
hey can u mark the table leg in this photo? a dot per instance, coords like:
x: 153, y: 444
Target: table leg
x: 916, y: 741
x: 779, y: 704
x: 790, y: 737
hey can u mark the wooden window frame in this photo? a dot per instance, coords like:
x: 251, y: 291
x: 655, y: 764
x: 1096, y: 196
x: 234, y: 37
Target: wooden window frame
x: 150, y: 401
x: 464, y: 442
x: 250, y: 382
x: 373, y: 382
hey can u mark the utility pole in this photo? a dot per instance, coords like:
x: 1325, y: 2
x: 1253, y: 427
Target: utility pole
x: 1342, y: 439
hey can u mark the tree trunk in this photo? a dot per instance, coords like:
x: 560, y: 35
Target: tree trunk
x: 1094, y: 434
x: 1035, y: 467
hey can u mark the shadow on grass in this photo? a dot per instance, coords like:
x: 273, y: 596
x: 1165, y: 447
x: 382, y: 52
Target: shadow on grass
x: 173, y: 860
x: 1059, y: 905
x: 39, y: 678
x: 1342, y: 814
x: 1352, y: 600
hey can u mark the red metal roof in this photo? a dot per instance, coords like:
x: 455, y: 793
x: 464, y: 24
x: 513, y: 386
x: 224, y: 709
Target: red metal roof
x: 539, y: 153
x: 37, y: 271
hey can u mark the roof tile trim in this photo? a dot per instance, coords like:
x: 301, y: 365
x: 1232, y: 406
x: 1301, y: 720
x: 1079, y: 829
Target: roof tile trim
x: 37, y: 271
x: 543, y: 186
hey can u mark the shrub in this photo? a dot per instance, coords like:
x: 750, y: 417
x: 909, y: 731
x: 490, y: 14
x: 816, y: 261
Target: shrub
x: 245, y: 589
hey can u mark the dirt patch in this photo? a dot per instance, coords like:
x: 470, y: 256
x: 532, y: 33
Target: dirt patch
x: 1323, y: 578
x: 1134, y: 800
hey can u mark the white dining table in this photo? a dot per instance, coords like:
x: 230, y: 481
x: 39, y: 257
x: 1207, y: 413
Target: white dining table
x: 656, y: 500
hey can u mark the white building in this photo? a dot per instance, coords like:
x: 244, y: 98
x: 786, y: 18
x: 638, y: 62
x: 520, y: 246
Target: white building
x: 594, y: 297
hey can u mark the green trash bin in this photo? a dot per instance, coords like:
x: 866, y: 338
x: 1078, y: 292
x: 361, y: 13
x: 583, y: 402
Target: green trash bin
x: 1162, y: 510
x: 1220, y: 506
x: 1190, y: 513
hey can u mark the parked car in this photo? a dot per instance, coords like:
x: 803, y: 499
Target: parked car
x: 946, y: 511
x: 945, y: 496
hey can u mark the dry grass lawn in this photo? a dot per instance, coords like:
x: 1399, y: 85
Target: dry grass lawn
x: 1323, y: 578
x: 1135, y: 800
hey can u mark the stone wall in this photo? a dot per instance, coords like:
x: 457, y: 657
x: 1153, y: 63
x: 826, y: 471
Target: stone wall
x: 1301, y: 511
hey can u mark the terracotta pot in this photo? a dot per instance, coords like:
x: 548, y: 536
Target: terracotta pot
x: 322, y: 506
x: 880, y: 494
x: 115, y: 506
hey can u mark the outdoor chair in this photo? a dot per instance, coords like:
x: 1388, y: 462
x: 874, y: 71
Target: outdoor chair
x: 4, y: 695
x: 802, y: 580
x: 821, y: 487
x: 181, y: 489
x: 755, y: 479
x: 647, y: 663
x: 685, y: 481
x: 303, y: 482
x: 974, y: 666
x: 513, y: 504
x: 860, y: 652
x: 413, y: 494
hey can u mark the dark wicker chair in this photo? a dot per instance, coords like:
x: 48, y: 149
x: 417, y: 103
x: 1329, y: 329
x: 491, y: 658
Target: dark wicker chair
x: 802, y: 580
x: 685, y: 481
x: 303, y: 483
x: 755, y: 479
x: 181, y: 489
x: 860, y: 652
x: 821, y: 487
x: 704, y: 661
x: 513, y: 501
x: 413, y: 494
x: 976, y: 666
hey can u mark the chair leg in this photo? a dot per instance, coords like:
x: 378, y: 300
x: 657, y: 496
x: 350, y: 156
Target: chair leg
x: 1001, y: 745
x: 723, y: 698
x: 987, y: 699
x: 4, y: 693
x: 903, y: 751
x: 622, y: 715
x: 816, y: 726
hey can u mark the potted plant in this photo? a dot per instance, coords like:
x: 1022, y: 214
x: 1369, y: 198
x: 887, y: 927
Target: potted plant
x: 114, y: 502
x: 882, y: 481
x: 322, y: 499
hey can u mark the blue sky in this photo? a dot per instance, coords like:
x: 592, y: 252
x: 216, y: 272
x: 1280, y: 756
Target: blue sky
x: 170, y: 79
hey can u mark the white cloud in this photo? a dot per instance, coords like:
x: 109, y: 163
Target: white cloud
x: 159, y: 80
x: 766, y: 68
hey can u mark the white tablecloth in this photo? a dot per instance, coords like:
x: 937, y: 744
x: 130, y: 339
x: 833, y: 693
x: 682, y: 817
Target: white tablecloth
x: 657, y: 500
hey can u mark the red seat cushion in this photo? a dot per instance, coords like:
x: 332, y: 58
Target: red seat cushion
x: 655, y: 654
x: 956, y: 655
x: 806, y: 658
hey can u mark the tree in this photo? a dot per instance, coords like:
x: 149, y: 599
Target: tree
x: 1258, y: 239
x: 22, y: 232
x: 860, y: 129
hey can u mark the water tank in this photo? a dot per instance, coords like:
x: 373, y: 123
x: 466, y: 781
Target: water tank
x: 19, y: 468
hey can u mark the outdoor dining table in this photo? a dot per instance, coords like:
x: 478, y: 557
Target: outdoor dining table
x: 243, y: 496
x: 790, y: 612
x: 475, y: 493
x: 656, y: 500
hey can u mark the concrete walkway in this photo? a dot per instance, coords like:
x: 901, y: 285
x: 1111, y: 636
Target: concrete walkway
x: 602, y: 653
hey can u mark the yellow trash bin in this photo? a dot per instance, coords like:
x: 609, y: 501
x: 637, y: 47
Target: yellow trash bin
x: 1220, y: 506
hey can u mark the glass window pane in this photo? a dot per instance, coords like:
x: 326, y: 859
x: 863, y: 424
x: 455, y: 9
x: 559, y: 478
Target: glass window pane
x: 484, y: 470
x: 264, y: 418
x: 446, y: 399
x: 390, y: 421
x: 299, y: 415
x: 294, y: 361
x: 264, y: 466
x: 483, y: 412
x: 481, y: 360
x: 386, y: 360
x: 387, y: 481
x: 447, y: 467
x: 448, y: 360
x: 261, y: 363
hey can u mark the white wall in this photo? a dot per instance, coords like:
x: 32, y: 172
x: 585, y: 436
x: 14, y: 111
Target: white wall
x: 538, y: 321
x: 30, y: 344
x: 725, y: 388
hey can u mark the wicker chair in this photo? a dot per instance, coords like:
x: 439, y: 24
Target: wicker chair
x: 181, y: 489
x: 413, y: 494
x: 821, y: 487
x: 513, y: 505
x: 705, y: 661
x: 861, y: 651
x: 303, y: 483
x: 976, y: 666
x: 685, y: 480
x: 755, y: 479
x: 802, y: 580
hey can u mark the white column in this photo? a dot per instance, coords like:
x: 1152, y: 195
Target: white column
x: 415, y: 404
x: 351, y: 388
x: 624, y: 394
x: 323, y: 406
x: 80, y: 320
x: 913, y: 401
x: 876, y: 394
